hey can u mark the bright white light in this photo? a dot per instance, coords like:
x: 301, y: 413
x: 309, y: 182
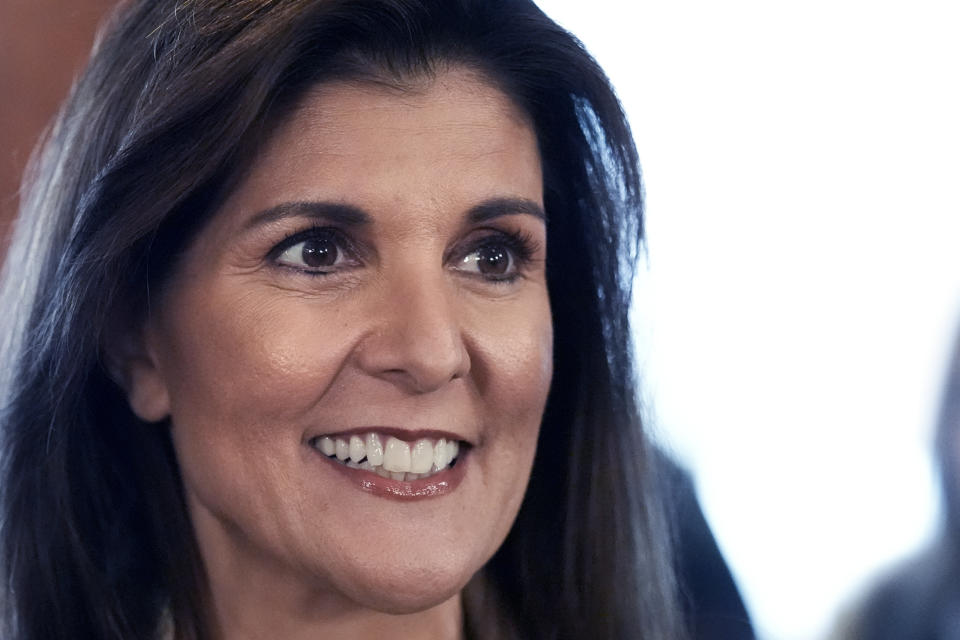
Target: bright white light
x: 802, y: 163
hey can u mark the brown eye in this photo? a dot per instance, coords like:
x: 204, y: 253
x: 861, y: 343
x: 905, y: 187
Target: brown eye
x: 319, y: 252
x: 493, y: 260
x: 316, y: 252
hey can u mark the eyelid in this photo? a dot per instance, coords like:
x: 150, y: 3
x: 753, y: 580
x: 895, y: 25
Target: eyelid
x: 521, y: 242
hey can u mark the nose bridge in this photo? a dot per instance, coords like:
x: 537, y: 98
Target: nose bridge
x: 418, y: 341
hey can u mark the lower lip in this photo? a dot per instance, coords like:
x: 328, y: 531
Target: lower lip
x: 439, y: 484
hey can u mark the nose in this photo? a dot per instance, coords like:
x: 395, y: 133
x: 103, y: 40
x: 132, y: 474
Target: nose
x: 417, y: 340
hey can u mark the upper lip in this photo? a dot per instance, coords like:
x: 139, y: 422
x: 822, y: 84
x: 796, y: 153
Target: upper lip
x: 400, y: 433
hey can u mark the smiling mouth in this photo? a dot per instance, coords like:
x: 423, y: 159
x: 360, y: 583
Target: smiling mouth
x: 390, y: 457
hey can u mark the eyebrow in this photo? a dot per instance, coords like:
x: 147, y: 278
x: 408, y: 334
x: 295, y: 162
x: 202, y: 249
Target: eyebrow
x: 497, y: 207
x: 351, y: 216
x: 335, y: 212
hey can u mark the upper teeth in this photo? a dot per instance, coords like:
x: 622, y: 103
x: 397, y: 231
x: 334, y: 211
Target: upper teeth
x: 397, y: 459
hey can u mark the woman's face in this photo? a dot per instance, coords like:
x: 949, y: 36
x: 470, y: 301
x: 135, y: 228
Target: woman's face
x: 372, y: 291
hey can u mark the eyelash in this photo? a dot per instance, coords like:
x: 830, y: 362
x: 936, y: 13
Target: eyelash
x: 520, y: 245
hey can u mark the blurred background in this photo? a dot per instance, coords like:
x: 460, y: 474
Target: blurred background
x: 801, y: 284
x: 43, y: 43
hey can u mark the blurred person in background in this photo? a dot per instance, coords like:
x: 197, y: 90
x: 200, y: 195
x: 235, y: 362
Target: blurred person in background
x: 920, y: 600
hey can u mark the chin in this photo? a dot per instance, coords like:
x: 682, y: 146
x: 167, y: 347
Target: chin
x: 408, y: 594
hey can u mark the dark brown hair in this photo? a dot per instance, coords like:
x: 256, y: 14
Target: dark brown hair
x: 96, y: 541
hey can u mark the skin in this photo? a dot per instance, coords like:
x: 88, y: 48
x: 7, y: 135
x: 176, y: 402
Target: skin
x: 250, y: 356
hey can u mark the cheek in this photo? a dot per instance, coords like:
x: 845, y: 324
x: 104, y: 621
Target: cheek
x: 518, y: 381
x: 513, y: 370
x: 515, y: 354
x: 248, y: 357
x: 244, y: 372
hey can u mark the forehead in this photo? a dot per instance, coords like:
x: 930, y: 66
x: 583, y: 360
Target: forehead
x: 456, y: 100
x: 444, y: 142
